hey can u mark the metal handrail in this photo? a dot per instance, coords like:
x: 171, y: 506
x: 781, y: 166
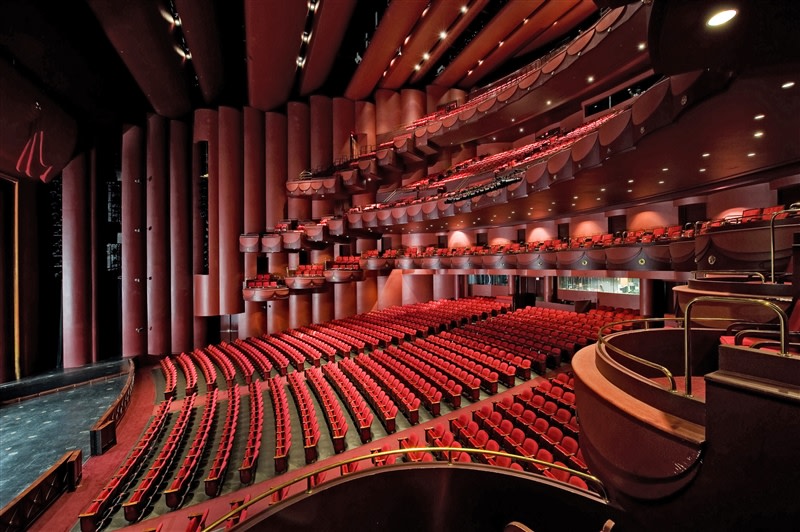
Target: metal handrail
x: 596, y: 482
x: 705, y: 274
x: 719, y: 299
x: 663, y: 369
x: 794, y: 207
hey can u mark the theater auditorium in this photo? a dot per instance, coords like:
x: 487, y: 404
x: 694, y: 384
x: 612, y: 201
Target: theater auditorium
x: 491, y: 265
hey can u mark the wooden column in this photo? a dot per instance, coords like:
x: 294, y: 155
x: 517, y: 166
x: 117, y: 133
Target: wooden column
x: 231, y: 219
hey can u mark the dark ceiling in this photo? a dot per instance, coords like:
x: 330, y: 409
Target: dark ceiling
x: 105, y: 62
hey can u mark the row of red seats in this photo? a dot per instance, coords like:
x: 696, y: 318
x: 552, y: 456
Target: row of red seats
x: 173, y: 496
x: 436, y: 439
x: 278, y: 360
x: 190, y: 372
x: 93, y: 517
x: 298, y: 350
x: 348, y: 333
x: 283, y: 427
x: 239, y: 360
x: 488, y: 378
x: 296, y: 358
x: 249, y: 283
x: 352, y: 343
x: 407, y: 401
x: 494, y: 355
x: 397, y: 329
x: 170, y: 377
x: 141, y: 496
x: 506, y: 371
x: 326, y: 350
x: 430, y: 395
x: 260, y: 362
x: 216, y: 475
x: 223, y: 363
x: 308, y: 270
x: 385, y: 334
x: 536, y: 356
x: 375, y: 395
x: 207, y: 367
x: 337, y: 422
x: 470, y: 384
x: 308, y: 415
x: 247, y: 471
x: 353, y: 399
x: 320, y: 335
x: 450, y: 390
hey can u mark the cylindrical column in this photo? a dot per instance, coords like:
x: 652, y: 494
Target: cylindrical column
x: 547, y: 288
x: 254, y: 321
x: 367, y: 294
x: 298, y: 156
x: 343, y: 127
x: 417, y: 289
x: 231, y: 220
x: 444, y: 286
x: 76, y: 285
x: 277, y: 315
x: 299, y: 310
x: 345, y: 296
x: 134, y: 292
x: 180, y: 238
x: 158, y: 270
x: 388, y: 111
x: 365, y: 123
x: 275, y: 161
x: 646, y: 297
x: 322, y: 304
x: 413, y: 103
x: 206, y: 229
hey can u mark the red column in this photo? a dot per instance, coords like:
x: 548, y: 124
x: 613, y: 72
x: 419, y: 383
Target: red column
x: 159, y: 336
x: 76, y: 285
x: 343, y: 126
x: 387, y: 111
x: 134, y: 292
x: 94, y: 244
x: 299, y: 310
x: 275, y: 162
x: 417, y: 289
x: 444, y: 286
x: 321, y: 154
x: 180, y: 230
x: 231, y: 219
x: 254, y: 320
x: 365, y: 122
x: 345, y: 297
x: 298, y: 154
x: 413, y: 104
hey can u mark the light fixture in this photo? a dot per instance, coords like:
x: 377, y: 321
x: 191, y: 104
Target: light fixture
x: 758, y: 117
x: 522, y: 130
x: 548, y: 102
x: 751, y: 154
x: 630, y: 180
x: 641, y: 46
x: 464, y: 9
x: 590, y: 79
x: 665, y: 169
x: 426, y: 56
x: 602, y: 190
x: 500, y: 43
x: 301, y: 61
x: 442, y: 35
x: 574, y: 197
x: 661, y: 182
x: 758, y: 134
x: 702, y: 170
x: 706, y: 154
x: 630, y: 190
x: 721, y: 17
x: 417, y: 67
x: 788, y: 85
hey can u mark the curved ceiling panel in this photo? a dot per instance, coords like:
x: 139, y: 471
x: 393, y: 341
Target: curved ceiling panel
x: 326, y: 38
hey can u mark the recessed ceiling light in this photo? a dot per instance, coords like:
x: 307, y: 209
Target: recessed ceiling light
x: 442, y: 35
x: 548, y: 102
x: 758, y: 117
x: 751, y: 154
x: 469, y: 73
x: 702, y: 169
x: 426, y: 56
x: 721, y: 17
x: 574, y: 197
x: 463, y: 9
x: 602, y: 190
x: 630, y: 180
x: 788, y: 85
x: 630, y: 190
x: 590, y: 79
x: 417, y: 67
x: 758, y: 134
x: 500, y: 43
x: 494, y: 138
x: 549, y: 210
x: 641, y: 46
x: 513, y: 119
x: 598, y: 199
x: 522, y: 130
x: 665, y: 169
x: 553, y: 203
x: 706, y: 154
x: 573, y: 204
x: 661, y: 182
x: 524, y: 21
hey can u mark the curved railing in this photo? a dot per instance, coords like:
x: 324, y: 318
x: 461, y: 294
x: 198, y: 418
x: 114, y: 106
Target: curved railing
x: 782, y: 319
x: 103, y: 433
x: 601, y: 340
x: 594, y: 481
x: 793, y: 208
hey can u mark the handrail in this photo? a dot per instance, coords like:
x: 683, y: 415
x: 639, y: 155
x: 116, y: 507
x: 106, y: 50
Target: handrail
x: 705, y: 273
x: 719, y: 299
x: 663, y: 369
x: 596, y: 482
x: 794, y: 207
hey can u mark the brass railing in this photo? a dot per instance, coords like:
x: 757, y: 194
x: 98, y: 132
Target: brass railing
x: 592, y: 480
x: 646, y: 321
x: 720, y: 299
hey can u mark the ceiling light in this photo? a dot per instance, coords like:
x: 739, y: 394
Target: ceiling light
x: 306, y: 37
x: 480, y: 62
x: 706, y: 154
x: 758, y: 117
x: 301, y: 61
x: 602, y: 190
x: 598, y: 199
x: 549, y: 210
x: 443, y: 35
x: 469, y: 73
x: 494, y: 138
x: 630, y: 190
x: 702, y: 170
x: 574, y: 197
x: 548, y: 102
x: 641, y: 46
x: 417, y: 67
x: 524, y: 21
x: 665, y: 169
x: 630, y: 180
x: 751, y: 154
x: 788, y: 85
x: 500, y: 43
x: 721, y: 17
x: 661, y: 182
x: 590, y: 79
x: 573, y: 204
x: 758, y: 134
x: 426, y: 56
x: 522, y: 130
x: 463, y: 9
x: 554, y: 203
